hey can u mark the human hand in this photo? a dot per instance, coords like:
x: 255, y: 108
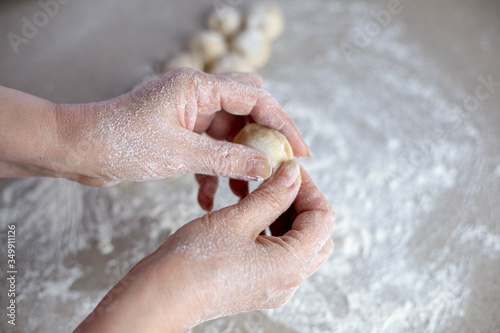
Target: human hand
x: 153, y: 132
x: 222, y: 264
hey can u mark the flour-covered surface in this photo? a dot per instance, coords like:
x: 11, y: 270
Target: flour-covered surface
x: 412, y: 173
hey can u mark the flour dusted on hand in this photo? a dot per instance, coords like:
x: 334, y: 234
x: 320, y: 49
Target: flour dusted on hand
x: 270, y: 143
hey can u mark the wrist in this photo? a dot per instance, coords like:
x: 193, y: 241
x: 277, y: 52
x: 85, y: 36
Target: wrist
x: 145, y: 301
x: 39, y: 138
x: 28, y: 137
x: 176, y: 290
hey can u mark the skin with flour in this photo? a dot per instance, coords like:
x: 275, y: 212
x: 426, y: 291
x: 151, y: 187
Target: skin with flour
x: 213, y: 266
x: 273, y: 145
x: 150, y: 133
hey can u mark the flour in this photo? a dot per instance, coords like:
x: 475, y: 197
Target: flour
x: 414, y: 185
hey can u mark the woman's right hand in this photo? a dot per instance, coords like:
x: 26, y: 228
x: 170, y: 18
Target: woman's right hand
x: 222, y: 264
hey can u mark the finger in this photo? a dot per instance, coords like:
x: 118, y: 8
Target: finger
x: 203, y: 122
x: 314, y: 224
x: 243, y: 98
x: 321, y: 257
x: 224, y: 125
x: 310, y: 197
x: 284, y: 223
x: 207, y: 156
x: 247, y: 77
x: 239, y: 187
x: 206, y: 193
x: 264, y: 205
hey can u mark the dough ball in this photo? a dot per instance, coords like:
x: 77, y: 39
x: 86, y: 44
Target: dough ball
x: 270, y: 143
x: 184, y: 59
x: 227, y: 21
x: 210, y: 45
x: 254, y: 47
x: 232, y: 62
x: 268, y: 18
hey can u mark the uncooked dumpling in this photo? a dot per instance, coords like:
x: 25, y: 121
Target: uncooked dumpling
x: 253, y: 46
x: 232, y: 62
x: 270, y: 143
x: 184, y: 59
x: 208, y: 44
x: 226, y: 20
x: 268, y: 18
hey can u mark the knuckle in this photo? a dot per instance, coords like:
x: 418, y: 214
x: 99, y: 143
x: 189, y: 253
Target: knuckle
x: 326, y: 218
x: 255, y: 78
x: 333, y: 216
x: 270, y: 197
x: 208, y: 189
x: 184, y: 72
x: 183, y: 76
x: 280, y: 299
x: 294, y: 280
x: 209, y: 223
x: 224, y: 161
x: 208, y: 185
x: 293, y: 277
x: 330, y: 217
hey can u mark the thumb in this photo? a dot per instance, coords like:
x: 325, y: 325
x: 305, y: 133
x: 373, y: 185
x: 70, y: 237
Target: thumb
x: 219, y: 158
x: 264, y: 205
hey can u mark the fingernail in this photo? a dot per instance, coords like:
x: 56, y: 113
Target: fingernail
x: 289, y: 173
x: 309, y: 153
x: 258, y: 169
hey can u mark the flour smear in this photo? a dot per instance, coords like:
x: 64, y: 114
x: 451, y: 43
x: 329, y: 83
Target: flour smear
x: 414, y: 185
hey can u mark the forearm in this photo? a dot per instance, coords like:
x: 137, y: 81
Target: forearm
x: 28, y: 134
x: 147, y: 299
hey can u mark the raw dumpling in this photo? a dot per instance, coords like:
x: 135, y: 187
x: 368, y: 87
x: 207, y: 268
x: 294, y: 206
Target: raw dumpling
x: 184, y: 59
x: 227, y: 21
x: 268, y: 18
x: 232, y: 62
x: 269, y: 142
x: 208, y: 44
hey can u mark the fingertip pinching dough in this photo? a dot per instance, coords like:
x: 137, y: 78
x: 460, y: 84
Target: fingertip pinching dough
x: 269, y: 142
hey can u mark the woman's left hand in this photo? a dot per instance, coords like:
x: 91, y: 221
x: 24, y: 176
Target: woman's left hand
x: 154, y: 132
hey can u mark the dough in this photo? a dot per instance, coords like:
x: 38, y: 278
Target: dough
x: 184, y: 59
x: 232, y: 62
x: 209, y: 45
x: 225, y: 20
x: 253, y: 46
x: 268, y: 18
x: 270, y: 143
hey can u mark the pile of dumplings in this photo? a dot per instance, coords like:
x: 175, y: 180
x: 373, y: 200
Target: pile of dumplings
x: 233, y: 41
